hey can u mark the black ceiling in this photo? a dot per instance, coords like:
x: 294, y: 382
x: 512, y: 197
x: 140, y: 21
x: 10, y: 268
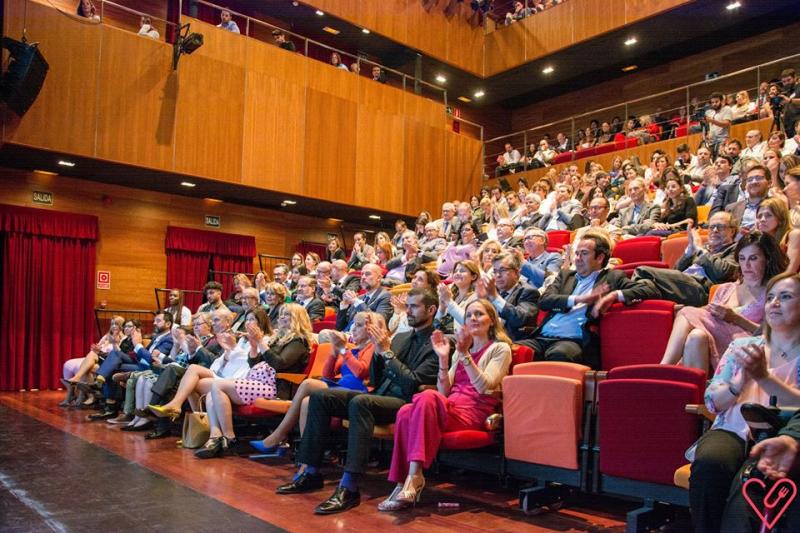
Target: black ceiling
x: 686, y: 30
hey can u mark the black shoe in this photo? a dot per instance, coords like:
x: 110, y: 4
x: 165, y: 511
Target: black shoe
x: 158, y: 433
x: 144, y: 427
x: 214, y: 447
x: 342, y: 500
x: 89, y: 388
x: 303, y: 483
x: 102, y: 415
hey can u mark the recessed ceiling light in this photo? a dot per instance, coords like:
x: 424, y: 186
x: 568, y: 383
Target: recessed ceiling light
x: 188, y: 184
x: 46, y: 172
x: 213, y: 200
x: 320, y: 13
x: 332, y: 31
x: 464, y: 99
x: 64, y: 163
x: 364, y: 30
x: 631, y: 41
x: 629, y: 68
x: 478, y: 94
x: 733, y: 5
x: 289, y: 202
x: 441, y: 79
x: 547, y: 70
x: 295, y: 4
x: 375, y: 217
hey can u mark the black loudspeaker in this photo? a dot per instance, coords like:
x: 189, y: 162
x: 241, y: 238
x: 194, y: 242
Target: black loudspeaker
x: 25, y: 76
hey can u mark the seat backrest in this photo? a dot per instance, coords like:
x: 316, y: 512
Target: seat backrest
x: 644, y: 430
x: 702, y: 213
x: 552, y: 368
x: 330, y: 313
x: 672, y: 249
x: 557, y: 239
x: 638, y: 249
x: 319, y: 325
x: 712, y: 291
x: 542, y: 418
x: 519, y: 355
x: 692, y: 376
x: 637, y: 334
x: 628, y: 268
x: 312, y: 358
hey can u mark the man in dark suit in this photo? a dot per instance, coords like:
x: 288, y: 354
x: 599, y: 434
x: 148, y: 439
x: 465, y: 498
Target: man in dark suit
x: 402, y: 268
x: 505, y: 235
x: 330, y: 289
x: 637, y: 218
x: 305, y: 295
x: 159, y: 347
x: 514, y: 300
x: 375, y: 298
x: 744, y: 211
x: 564, y: 213
x: 397, y: 370
x: 361, y: 251
x: 563, y: 143
x: 575, y: 301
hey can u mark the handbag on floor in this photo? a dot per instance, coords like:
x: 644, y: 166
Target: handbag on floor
x: 195, y: 429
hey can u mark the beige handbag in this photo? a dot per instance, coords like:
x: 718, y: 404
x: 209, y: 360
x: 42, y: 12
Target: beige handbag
x: 195, y: 429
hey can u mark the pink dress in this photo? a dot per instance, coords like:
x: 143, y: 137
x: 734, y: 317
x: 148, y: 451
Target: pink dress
x: 259, y: 383
x: 420, y: 424
x: 721, y: 332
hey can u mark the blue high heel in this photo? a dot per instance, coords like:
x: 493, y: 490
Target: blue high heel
x: 278, y: 450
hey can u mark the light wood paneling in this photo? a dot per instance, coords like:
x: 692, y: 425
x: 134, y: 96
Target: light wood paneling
x: 328, y: 79
x: 276, y: 62
x: 424, y: 110
x: 504, y: 47
x: 136, y: 111
x: 218, y: 44
x: 70, y: 83
x: 464, y: 166
x: 640, y: 9
x: 330, y: 147
x: 208, y: 138
x: 379, y: 96
x: 380, y: 151
x: 133, y: 226
x: 424, y: 167
x: 273, y: 146
x: 549, y: 31
x: 387, y: 17
x: 427, y: 31
x: 464, y: 43
x: 591, y: 18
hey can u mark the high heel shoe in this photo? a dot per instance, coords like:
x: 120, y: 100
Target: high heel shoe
x: 162, y: 411
x: 214, y: 447
x: 412, y: 490
x: 279, y: 450
x: 391, y: 504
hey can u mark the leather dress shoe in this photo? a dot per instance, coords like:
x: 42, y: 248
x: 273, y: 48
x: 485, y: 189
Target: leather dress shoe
x: 158, y: 433
x: 342, y: 500
x: 303, y: 483
x: 144, y: 427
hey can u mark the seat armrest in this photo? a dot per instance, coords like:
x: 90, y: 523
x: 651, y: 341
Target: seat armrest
x: 493, y: 423
x: 297, y: 379
x: 700, y: 410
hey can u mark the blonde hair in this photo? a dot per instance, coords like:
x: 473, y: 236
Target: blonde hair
x: 278, y: 288
x: 299, y: 325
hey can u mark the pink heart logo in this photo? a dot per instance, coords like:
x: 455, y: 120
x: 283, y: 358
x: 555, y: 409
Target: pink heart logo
x: 777, y: 500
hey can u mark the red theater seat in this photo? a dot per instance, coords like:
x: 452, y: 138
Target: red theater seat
x: 638, y: 249
x: 636, y: 334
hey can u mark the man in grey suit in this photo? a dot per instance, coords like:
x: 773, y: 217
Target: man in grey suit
x: 637, y: 218
x: 756, y: 182
x: 514, y: 300
x: 565, y: 213
x: 306, y: 296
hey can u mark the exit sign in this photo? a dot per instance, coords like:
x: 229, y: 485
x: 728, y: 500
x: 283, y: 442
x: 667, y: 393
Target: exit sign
x: 42, y: 198
x: 213, y: 221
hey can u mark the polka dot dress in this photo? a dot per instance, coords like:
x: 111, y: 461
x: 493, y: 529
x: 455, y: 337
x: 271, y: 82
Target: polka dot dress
x: 259, y: 383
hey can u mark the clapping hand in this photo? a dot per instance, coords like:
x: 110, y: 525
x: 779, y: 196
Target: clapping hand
x: 178, y: 335
x: 380, y: 336
x: 136, y: 337
x: 442, y: 348
x: 596, y: 293
x: 463, y: 341
x: 338, y: 340
x: 754, y: 361
x: 226, y: 340
x: 399, y: 303
x: 602, y: 305
x: 721, y: 312
x: 192, y: 343
x: 485, y: 288
x: 348, y: 297
x: 254, y: 333
x: 777, y: 455
x: 445, y: 296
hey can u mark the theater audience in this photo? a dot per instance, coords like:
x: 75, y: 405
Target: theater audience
x: 87, y: 10
x: 422, y: 279
x: 700, y: 335
x: 330, y: 290
x: 306, y: 297
x: 462, y: 400
x: 350, y: 359
x: 378, y: 74
x: 336, y: 61
x: 334, y: 250
x: 146, y: 28
x: 508, y: 161
x: 227, y: 23
x: 539, y: 263
x: 458, y: 250
x: 432, y: 245
x: 401, y: 268
x: 375, y: 298
x: 282, y: 41
x: 311, y: 261
x: 297, y: 260
x: 751, y: 371
x: 718, y: 118
x: 563, y: 212
x: 637, y: 215
x: 213, y: 293
x: 454, y: 298
x: 678, y: 208
x: 397, y: 370
x: 756, y: 180
x: 514, y: 299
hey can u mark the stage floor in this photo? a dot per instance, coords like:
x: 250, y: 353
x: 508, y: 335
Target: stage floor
x: 59, y: 472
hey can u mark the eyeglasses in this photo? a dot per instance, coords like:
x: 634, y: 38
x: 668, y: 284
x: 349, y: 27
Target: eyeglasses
x: 502, y: 271
x: 756, y: 179
x: 718, y: 227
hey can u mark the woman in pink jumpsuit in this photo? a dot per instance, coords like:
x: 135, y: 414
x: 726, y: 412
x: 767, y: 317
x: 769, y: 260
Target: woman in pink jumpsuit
x: 463, y: 399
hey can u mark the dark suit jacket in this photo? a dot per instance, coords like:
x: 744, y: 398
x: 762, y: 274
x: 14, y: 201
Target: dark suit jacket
x: 737, y: 209
x: 206, y: 354
x: 720, y: 267
x: 402, y: 375
x: 727, y: 194
x: 554, y: 300
x: 519, y: 311
x: 512, y: 242
x: 379, y: 303
x: 315, y: 309
x: 649, y: 214
x: 350, y: 283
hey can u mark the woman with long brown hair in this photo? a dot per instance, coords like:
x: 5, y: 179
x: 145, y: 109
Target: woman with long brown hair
x: 678, y: 208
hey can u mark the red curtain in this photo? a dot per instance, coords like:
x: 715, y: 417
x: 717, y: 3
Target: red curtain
x: 191, y: 252
x: 47, y: 282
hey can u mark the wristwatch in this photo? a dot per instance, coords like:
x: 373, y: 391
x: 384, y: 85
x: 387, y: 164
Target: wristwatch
x: 388, y: 354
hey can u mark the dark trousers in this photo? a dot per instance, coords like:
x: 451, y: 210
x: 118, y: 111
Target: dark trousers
x: 718, y: 458
x: 672, y: 285
x: 166, y: 383
x: 739, y: 516
x: 362, y: 410
x: 551, y: 349
x: 115, y: 361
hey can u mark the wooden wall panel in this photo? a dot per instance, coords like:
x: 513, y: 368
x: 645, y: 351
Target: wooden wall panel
x: 136, y: 108
x: 464, y: 166
x: 591, y: 18
x: 70, y: 83
x: 424, y: 167
x: 549, y: 31
x: 218, y: 44
x: 133, y: 228
x: 276, y: 62
x: 273, y: 148
x: 505, y: 47
x: 464, y: 43
x: 330, y: 147
x: 640, y: 9
x: 424, y: 110
x: 380, y: 150
x: 210, y: 114
x: 380, y: 97
x: 387, y: 17
x: 427, y: 31
x: 328, y: 79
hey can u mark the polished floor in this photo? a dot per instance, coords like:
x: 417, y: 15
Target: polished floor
x: 61, y: 473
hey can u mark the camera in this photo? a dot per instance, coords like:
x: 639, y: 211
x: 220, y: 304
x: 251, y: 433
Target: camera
x: 776, y: 104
